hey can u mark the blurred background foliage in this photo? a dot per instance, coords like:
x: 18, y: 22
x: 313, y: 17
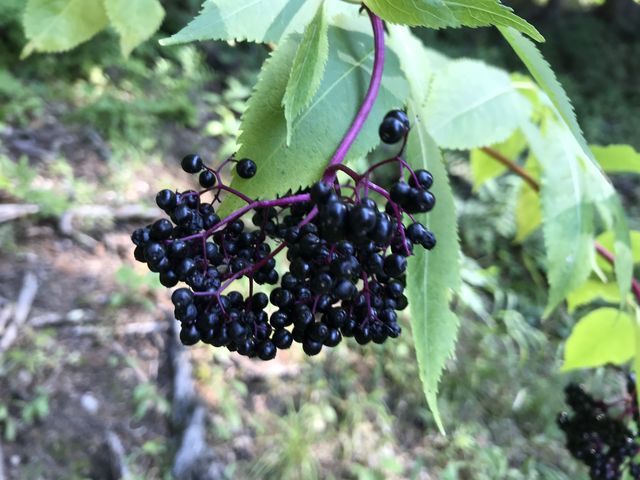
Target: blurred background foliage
x: 91, y: 128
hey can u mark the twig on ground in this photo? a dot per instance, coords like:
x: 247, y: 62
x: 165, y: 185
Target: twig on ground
x: 2, y: 476
x: 21, y: 310
x: 13, y: 211
x: 194, y: 458
x: 117, y: 457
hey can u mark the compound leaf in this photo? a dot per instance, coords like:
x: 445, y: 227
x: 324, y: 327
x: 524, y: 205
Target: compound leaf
x: 472, y: 104
x: 308, y: 68
x: 433, y: 276
x: 261, y: 21
x: 606, y: 335
x: 135, y: 21
x: 59, y: 25
x: 318, y: 130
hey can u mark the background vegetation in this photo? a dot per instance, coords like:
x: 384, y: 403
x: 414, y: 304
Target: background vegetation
x: 86, y: 138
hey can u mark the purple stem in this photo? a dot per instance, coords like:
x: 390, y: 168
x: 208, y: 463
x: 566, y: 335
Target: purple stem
x: 278, y: 202
x: 369, y: 100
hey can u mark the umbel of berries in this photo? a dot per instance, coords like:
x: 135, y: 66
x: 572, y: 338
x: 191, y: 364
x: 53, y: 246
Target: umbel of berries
x: 325, y: 263
x: 604, y: 436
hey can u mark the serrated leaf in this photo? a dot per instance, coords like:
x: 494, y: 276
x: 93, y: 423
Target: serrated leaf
x: 617, y: 158
x: 433, y: 276
x: 604, y: 336
x: 611, y: 212
x: 308, y: 69
x: 450, y: 13
x: 426, y: 13
x: 59, y: 25
x: 318, y: 131
x: 593, y: 290
x: 528, y: 213
x: 261, y: 21
x: 481, y: 13
x: 135, y: 21
x: 567, y: 212
x: 547, y: 80
x: 472, y: 104
x: 485, y: 168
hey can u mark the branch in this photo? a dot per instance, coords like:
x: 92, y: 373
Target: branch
x: 522, y: 173
x: 514, y: 167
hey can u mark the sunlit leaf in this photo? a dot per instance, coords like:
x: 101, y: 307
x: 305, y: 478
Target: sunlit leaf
x: 308, y: 69
x: 59, y: 25
x: 604, y: 336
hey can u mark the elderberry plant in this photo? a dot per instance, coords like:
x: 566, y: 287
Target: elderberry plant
x: 346, y: 256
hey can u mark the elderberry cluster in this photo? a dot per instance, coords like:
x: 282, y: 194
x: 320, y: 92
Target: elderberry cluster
x: 346, y: 257
x: 599, y: 434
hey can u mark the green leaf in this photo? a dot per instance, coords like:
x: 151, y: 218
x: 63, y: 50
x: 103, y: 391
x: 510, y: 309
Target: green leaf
x: 617, y: 158
x: 318, y: 131
x: 308, y: 69
x: 433, y: 276
x: 481, y: 13
x: 59, y: 25
x: 450, y: 13
x: 568, y: 217
x: 528, y: 212
x: 612, y: 215
x: 426, y: 13
x: 261, y: 21
x: 473, y: 105
x: 135, y: 21
x: 485, y: 168
x: 593, y: 290
x: 604, y: 336
x: 546, y: 78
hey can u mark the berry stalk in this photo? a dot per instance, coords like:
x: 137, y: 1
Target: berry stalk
x: 369, y: 99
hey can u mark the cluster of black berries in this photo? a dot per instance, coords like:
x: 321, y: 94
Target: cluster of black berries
x: 599, y: 434
x: 347, y: 259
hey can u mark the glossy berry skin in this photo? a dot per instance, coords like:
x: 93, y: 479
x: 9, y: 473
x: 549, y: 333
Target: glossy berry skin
x: 399, y: 115
x: 166, y: 199
x: 207, y: 179
x: 191, y: 163
x: 425, y: 179
x: 246, y: 168
x: 392, y: 130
